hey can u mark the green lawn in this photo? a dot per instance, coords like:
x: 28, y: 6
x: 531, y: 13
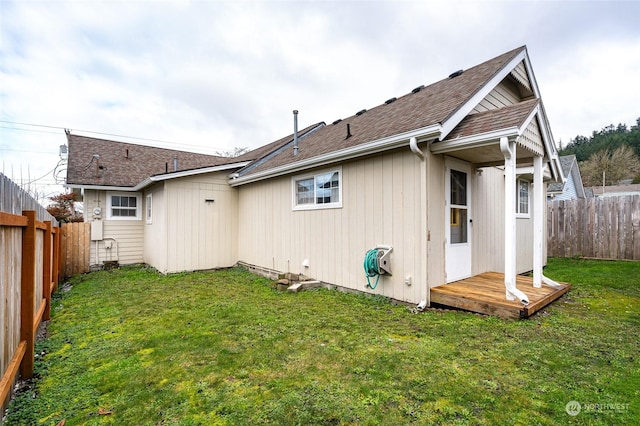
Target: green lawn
x: 133, y: 347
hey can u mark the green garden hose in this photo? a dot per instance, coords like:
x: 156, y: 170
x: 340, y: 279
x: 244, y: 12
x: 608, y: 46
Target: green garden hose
x: 371, y: 267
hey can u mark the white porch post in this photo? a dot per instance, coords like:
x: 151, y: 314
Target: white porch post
x: 538, y: 221
x: 508, y: 149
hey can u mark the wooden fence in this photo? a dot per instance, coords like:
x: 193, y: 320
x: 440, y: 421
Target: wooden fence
x: 30, y: 266
x: 76, y: 248
x: 602, y: 227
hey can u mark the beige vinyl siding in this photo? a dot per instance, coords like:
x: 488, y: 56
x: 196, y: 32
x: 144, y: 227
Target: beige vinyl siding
x: 380, y: 206
x: 488, y: 226
x: 201, y: 234
x: 155, y: 233
x: 436, y: 232
x: 504, y: 94
x: 128, y: 234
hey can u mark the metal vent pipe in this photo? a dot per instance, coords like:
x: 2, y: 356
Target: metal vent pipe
x: 295, y: 132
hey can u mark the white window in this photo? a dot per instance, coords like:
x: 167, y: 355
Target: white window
x: 149, y: 208
x: 123, y: 206
x: 522, y: 198
x: 322, y: 190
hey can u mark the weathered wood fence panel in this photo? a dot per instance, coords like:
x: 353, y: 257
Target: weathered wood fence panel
x: 603, y: 227
x: 29, y: 273
x: 76, y: 247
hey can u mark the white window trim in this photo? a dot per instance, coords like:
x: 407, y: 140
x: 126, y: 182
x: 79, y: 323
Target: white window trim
x: 518, y: 214
x: 148, y: 208
x: 316, y: 206
x: 138, y: 215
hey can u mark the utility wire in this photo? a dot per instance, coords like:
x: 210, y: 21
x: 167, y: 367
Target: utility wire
x: 28, y: 130
x: 94, y: 132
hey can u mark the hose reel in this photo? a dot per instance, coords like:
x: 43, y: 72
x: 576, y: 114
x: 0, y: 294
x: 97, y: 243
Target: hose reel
x: 377, y: 261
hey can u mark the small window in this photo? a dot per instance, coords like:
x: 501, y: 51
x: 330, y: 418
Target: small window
x: 522, y: 198
x: 318, y: 191
x: 149, y: 208
x: 123, y: 206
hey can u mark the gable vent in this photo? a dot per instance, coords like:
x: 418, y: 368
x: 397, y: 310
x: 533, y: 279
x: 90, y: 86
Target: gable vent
x: 417, y: 89
x: 389, y: 101
x: 456, y: 74
x: 337, y: 121
x: 362, y: 111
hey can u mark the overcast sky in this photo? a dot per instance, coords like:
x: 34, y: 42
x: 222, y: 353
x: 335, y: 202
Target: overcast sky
x: 212, y: 75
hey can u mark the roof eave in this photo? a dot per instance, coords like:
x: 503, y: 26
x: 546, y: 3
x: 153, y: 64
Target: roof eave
x: 385, y: 144
x: 159, y: 178
x: 474, y: 141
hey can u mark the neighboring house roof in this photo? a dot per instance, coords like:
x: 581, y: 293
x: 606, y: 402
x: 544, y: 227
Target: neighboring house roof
x: 426, y: 106
x: 616, y: 190
x: 100, y: 162
x: 571, y: 171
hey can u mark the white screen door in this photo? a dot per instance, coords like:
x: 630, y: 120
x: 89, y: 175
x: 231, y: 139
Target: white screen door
x: 457, y: 221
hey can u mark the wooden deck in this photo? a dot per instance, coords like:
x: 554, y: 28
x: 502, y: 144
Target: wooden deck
x: 485, y: 294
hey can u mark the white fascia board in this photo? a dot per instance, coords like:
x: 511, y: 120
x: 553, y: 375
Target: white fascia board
x: 468, y: 106
x: 193, y: 172
x: 474, y: 141
x: 549, y: 144
x: 158, y: 178
x: 532, y: 78
x: 374, y: 147
x: 102, y: 187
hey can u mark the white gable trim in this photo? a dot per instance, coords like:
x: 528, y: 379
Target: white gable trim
x: 455, y: 119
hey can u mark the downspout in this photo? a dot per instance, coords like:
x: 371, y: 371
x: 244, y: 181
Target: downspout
x: 424, y: 239
x: 508, y: 150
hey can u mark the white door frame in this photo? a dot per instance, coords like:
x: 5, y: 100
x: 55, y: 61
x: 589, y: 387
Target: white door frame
x: 458, y: 255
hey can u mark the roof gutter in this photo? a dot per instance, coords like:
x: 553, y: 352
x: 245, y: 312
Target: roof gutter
x: 158, y: 178
x: 384, y: 144
x: 474, y: 141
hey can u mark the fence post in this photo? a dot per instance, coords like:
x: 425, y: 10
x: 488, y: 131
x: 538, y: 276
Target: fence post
x: 55, y: 267
x: 27, y: 289
x: 46, y: 271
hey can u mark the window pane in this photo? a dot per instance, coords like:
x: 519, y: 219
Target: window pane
x: 458, y: 226
x: 304, y: 191
x: 458, y: 188
x: 115, y: 201
x: 523, y: 197
x: 124, y: 201
x: 327, y: 188
x: 132, y: 201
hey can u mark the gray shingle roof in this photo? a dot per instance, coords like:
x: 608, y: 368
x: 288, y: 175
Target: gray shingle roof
x: 431, y: 105
x: 125, y: 164
x: 493, y: 120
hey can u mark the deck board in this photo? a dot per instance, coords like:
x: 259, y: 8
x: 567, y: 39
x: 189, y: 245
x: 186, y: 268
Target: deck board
x: 485, y: 293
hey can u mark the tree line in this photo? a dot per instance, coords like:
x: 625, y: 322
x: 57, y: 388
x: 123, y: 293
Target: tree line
x: 609, y: 155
